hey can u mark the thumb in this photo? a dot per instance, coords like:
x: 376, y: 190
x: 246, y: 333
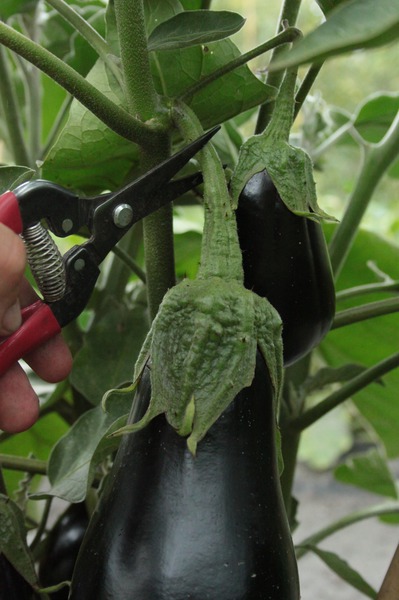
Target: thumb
x: 12, y: 266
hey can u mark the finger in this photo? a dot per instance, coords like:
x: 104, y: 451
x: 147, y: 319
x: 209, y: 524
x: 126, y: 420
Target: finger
x: 52, y: 361
x: 19, y: 405
x: 12, y: 266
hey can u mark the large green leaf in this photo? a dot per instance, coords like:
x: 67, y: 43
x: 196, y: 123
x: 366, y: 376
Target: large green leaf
x: 109, y: 351
x: 37, y: 441
x: 194, y: 27
x: 369, y: 472
x: 370, y: 341
x: 344, y: 571
x: 352, y: 25
x: 88, y: 156
x: 74, y: 459
x: 328, y: 5
x: 10, y: 177
x: 13, y: 540
x: 175, y: 71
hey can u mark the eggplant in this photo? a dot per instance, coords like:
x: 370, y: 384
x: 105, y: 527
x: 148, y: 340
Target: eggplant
x: 12, y: 585
x: 62, y: 547
x: 285, y: 260
x: 170, y: 526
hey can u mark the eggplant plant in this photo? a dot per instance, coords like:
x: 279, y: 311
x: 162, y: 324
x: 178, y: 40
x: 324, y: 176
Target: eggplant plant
x: 222, y: 329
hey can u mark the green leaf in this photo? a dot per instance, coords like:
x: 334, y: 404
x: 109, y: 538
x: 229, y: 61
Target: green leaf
x: 74, y: 459
x: 194, y: 27
x: 344, y: 571
x: 375, y: 115
x: 109, y: 351
x: 175, y: 71
x: 88, y: 156
x: 352, y: 25
x: 13, y: 540
x: 369, y: 472
x: 10, y: 177
x: 370, y: 341
x: 9, y: 8
x: 328, y: 5
x: 37, y: 441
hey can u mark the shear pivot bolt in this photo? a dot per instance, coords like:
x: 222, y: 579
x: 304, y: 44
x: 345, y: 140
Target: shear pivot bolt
x: 123, y: 215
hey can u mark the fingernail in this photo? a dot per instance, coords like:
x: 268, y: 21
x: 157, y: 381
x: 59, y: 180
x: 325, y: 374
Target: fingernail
x: 12, y: 318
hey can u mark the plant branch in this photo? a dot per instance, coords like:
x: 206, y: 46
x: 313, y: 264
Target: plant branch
x: 306, y: 86
x: 19, y: 463
x: 141, y: 95
x: 289, y: 14
x: 130, y: 262
x: 12, y: 114
x: 365, y: 311
x: 96, y: 41
x: 378, y: 510
x: 378, y: 158
x: 288, y: 35
x: 115, y: 117
x: 370, y: 288
x: 344, y: 393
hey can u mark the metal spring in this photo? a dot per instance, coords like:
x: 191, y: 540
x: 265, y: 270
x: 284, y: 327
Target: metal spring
x: 45, y: 262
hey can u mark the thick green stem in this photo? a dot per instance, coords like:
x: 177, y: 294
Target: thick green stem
x: 107, y: 111
x: 12, y: 114
x: 288, y: 35
x: 19, y: 463
x: 220, y: 251
x: 366, y: 311
x: 141, y: 95
x: 377, y: 160
x: 143, y: 102
x: 280, y: 123
x: 289, y: 14
x: 344, y: 393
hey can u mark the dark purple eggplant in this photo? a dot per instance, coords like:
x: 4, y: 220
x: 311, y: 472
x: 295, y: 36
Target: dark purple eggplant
x: 170, y: 526
x: 285, y: 260
x: 62, y: 547
x: 12, y: 585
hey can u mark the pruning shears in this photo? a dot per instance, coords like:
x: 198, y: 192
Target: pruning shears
x: 67, y: 282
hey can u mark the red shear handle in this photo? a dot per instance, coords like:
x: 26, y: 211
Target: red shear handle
x: 9, y: 212
x: 39, y: 325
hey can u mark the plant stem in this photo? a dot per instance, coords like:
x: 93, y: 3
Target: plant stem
x: 370, y: 288
x: 42, y: 524
x: 80, y: 24
x: 288, y: 35
x: 12, y: 114
x: 107, y: 111
x: 387, y: 508
x: 141, y: 95
x: 306, y: 86
x: 19, y: 463
x: 378, y: 158
x: 289, y: 13
x: 365, y: 311
x: 344, y: 393
x: 130, y: 262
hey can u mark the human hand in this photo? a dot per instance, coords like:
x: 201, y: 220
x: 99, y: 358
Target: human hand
x: 19, y: 405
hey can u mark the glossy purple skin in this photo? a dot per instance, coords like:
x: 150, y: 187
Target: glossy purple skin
x: 173, y: 527
x: 285, y: 260
x: 12, y: 585
x: 62, y: 549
